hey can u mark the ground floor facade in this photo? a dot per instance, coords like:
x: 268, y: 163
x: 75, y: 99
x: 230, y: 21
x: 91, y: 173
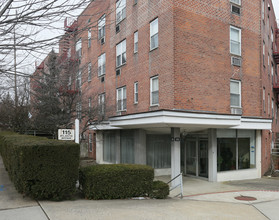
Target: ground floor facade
x: 210, y: 146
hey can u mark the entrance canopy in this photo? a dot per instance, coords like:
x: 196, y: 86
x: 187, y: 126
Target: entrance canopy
x: 186, y: 120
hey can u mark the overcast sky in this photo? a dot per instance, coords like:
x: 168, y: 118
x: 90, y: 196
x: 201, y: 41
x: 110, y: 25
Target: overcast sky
x: 276, y: 7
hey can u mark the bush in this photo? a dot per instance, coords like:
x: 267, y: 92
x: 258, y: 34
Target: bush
x: 39, y: 167
x: 160, y: 190
x: 116, y: 181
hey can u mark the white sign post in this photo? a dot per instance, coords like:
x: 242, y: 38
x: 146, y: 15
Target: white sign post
x: 77, y: 131
x: 66, y: 134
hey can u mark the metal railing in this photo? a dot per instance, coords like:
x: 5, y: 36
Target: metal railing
x: 178, y: 185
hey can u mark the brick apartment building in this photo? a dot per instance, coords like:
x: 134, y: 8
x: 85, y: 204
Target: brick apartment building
x: 183, y: 86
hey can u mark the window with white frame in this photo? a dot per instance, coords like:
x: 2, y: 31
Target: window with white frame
x: 89, y: 106
x: 263, y: 9
x: 238, y: 2
x: 102, y: 64
x: 101, y: 27
x: 89, y: 37
x: 89, y: 71
x: 272, y: 108
x: 78, y: 48
x: 154, y: 41
x: 121, y: 53
x: 120, y: 10
x: 121, y: 99
x: 268, y: 104
x: 78, y: 79
x: 235, y: 93
x: 136, y: 94
x: 78, y: 110
x: 263, y: 51
x: 264, y: 99
x: 271, y: 35
x: 136, y: 42
x: 235, y: 40
x: 102, y: 103
x: 272, y: 73
x: 154, y: 91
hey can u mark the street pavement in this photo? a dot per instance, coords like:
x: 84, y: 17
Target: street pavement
x: 202, y: 200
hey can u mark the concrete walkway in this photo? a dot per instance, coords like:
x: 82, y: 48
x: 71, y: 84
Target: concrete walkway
x: 203, y: 200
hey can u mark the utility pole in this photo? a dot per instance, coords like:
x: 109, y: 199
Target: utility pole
x: 15, y: 78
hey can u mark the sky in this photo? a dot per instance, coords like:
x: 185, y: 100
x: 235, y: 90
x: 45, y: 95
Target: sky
x: 276, y: 7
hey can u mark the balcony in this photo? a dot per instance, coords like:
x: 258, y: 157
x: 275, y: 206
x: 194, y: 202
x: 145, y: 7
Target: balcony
x: 275, y: 49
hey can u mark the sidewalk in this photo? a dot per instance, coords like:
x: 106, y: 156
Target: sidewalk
x: 212, y: 202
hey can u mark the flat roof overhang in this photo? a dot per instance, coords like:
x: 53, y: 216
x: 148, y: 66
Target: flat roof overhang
x: 186, y: 120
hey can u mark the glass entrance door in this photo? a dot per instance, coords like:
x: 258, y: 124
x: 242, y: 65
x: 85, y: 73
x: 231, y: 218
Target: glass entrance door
x: 196, y: 157
x: 191, y: 157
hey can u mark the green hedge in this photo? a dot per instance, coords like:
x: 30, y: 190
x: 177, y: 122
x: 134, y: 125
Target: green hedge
x: 116, y: 181
x: 160, y: 190
x: 39, y: 167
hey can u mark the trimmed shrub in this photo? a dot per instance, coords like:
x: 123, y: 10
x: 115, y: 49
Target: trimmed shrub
x: 39, y: 167
x: 116, y: 181
x: 160, y: 190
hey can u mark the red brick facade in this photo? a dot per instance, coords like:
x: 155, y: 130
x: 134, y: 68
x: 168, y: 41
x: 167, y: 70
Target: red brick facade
x: 192, y: 61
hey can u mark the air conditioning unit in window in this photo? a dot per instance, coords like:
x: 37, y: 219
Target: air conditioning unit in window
x: 236, y: 111
x: 235, y: 9
x: 117, y: 28
x: 118, y: 72
x: 102, y: 40
x: 236, y: 61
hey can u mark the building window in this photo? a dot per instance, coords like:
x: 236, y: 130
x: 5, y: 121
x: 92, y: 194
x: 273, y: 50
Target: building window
x: 127, y: 147
x: 78, y: 48
x: 89, y: 106
x: 264, y: 99
x: 109, y: 150
x: 121, y: 53
x: 235, y: 40
x: 263, y: 51
x: 268, y: 104
x: 102, y: 103
x: 272, y: 35
x: 90, y: 142
x: 78, y: 79
x: 235, y: 149
x: 121, y: 99
x: 154, y: 42
x: 78, y: 110
x: 272, y: 108
x: 136, y: 42
x: 102, y: 64
x: 272, y: 73
x: 120, y: 10
x: 101, y: 27
x: 263, y: 9
x: 235, y: 92
x: 154, y: 91
x: 89, y: 72
x: 136, y: 94
x: 237, y: 2
x: 89, y: 37
x: 158, y: 151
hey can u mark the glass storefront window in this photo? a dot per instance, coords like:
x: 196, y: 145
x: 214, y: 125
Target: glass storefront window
x: 109, y: 149
x: 127, y: 147
x: 235, y: 150
x: 158, y: 151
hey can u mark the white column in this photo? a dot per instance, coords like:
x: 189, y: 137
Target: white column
x: 259, y: 153
x: 99, y: 147
x: 175, y: 155
x: 77, y: 131
x: 212, y: 155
